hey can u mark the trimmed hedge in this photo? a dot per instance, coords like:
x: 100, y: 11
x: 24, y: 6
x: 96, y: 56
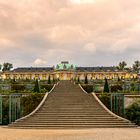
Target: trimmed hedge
x: 46, y: 87
x: 116, y: 88
x: 18, y: 87
x: 88, y: 88
x: 132, y: 112
x: 29, y: 103
x: 105, y: 99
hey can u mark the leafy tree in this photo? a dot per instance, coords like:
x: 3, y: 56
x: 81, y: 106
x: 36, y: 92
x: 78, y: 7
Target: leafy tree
x: 86, y: 80
x: 106, y: 86
x: 37, y: 87
x: 0, y: 66
x: 7, y: 66
x: 121, y: 65
x: 136, y: 66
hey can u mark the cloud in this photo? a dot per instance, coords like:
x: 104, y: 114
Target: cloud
x: 67, y: 34
x: 90, y: 47
x: 40, y: 61
x: 53, y: 30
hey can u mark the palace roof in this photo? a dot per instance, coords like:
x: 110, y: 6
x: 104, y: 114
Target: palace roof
x: 97, y: 69
x: 33, y: 69
x: 68, y: 67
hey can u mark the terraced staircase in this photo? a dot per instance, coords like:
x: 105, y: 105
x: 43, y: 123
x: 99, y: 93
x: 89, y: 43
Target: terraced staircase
x: 68, y: 106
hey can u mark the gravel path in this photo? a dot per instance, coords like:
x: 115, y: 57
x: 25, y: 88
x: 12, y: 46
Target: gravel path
x: 86, y: 134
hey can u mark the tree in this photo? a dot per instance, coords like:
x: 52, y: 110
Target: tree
x: 78, y: 79
x: 86, y: 80
x: 0, y: 66
x: 49, y: 79
x: 54, y: 80
x: 121, y: 65
x: 106, y: 86
x: 136, y: 66
x: 37, y: 87
x: 7, y: 66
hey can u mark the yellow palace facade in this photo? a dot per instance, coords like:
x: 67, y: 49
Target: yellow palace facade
x: 66, y: 71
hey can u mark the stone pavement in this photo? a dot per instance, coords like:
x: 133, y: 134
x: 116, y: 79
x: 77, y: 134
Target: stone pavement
x: 69, y: 134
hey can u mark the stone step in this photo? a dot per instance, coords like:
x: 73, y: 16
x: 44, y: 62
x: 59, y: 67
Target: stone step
x: 75, y: 126
x: 73, y: 121
x: 67, y: 106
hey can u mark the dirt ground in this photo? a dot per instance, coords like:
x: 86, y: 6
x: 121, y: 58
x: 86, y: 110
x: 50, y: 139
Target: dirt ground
x: 83, y: 134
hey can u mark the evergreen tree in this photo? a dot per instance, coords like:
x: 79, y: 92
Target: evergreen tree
x: 78, y: 80
x: 49, y: 79
x: 106, y: 86
x: 53, y: 80
x: 37, y: 87
x: 86, y: 80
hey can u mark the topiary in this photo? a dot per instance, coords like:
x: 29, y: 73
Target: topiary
x: 106, y: 86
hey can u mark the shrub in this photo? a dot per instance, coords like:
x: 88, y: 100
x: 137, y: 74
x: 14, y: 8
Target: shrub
x: 17, y: 87
x: 88, y: 88
x: 86, y: 80
x: 30, y: 102
x: 49, y: 79
x: 37, y: 87
x: 106, y: 86
x: 116, y: 88
x: 46, y: 87
x: 105, y: 99
x: 132, y: 112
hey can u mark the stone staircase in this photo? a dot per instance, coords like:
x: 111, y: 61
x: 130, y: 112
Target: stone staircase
x: 67, y: 106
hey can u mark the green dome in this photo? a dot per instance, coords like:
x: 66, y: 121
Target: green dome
x: 65, y: 66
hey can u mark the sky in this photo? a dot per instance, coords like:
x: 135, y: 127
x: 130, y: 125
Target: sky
x: 83, y: 32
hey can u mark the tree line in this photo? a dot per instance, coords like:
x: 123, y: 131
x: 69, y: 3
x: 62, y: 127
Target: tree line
x: 6, y: 66
x: 135, y: 67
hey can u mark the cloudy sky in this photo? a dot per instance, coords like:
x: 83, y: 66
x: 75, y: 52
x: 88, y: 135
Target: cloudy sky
x: 84, y: 32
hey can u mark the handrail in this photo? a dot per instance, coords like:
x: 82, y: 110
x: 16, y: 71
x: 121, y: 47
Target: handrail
x: 38, y: 107
x: 102, y: 105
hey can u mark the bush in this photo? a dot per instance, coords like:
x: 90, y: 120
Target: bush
x: 88, y: 88
x: 106, y: 86
x: 5, y: 110
x: 17, y: 87
x: 30, y: 102
x: 37, y: 87
x: 105, y: 99
x: 46, y: 87
x: 132, y: 112
x: 116, y: 88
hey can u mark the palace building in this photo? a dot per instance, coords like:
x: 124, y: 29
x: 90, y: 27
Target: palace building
x: 66, y: 71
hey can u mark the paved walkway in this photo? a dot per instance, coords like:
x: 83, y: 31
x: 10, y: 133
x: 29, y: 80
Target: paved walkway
x: 83, y: 134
